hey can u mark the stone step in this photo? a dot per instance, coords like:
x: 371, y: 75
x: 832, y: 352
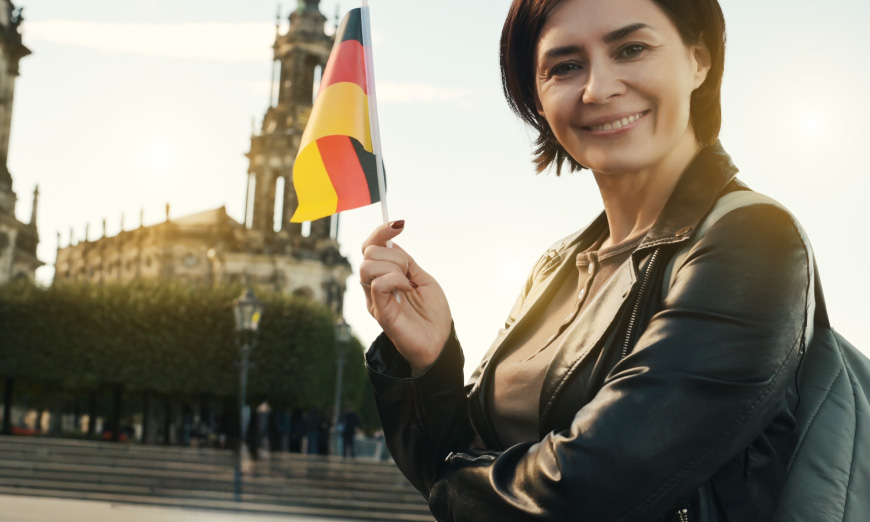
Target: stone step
x: 198, y: 477
x: 44, y: 447
x: 191, y: 493
x: 248, y: 507
x: 120, y: 473
x: 224, y: 483
x: 164, y: 452
x: 310, y: 469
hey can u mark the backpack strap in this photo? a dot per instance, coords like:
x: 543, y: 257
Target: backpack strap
x: 733, y: 201
x: 729, y: 482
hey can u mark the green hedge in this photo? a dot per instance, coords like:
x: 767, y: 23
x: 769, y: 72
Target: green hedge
x: 172, y: 338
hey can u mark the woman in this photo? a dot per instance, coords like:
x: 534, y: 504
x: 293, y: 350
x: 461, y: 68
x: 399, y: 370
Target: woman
x: 606, y: 397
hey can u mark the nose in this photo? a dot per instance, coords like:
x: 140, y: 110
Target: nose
x: 602, y: 83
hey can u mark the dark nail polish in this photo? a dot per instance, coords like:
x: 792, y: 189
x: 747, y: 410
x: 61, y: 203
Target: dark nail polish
x: 414, y: 285
x: 398, y: 225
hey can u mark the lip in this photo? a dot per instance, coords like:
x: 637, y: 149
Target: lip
x: 612, y: 118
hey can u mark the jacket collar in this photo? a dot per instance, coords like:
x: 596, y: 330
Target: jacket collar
x: 695, y: 194
x: 700, y: 186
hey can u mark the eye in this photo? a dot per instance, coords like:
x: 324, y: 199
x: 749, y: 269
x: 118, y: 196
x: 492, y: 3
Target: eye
x: 631, y: 50
x: 565, y: 68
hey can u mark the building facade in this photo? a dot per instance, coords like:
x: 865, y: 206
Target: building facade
x: 18, y: 240
x: 212, y: 248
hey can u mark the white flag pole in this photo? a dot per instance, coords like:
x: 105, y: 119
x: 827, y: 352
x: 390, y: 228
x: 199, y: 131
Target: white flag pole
x: 373, y: 116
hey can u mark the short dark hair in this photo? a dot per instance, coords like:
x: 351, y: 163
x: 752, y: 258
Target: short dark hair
x: 694, y: 19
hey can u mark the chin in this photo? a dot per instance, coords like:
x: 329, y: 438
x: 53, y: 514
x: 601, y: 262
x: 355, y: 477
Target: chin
x: 614, y: 163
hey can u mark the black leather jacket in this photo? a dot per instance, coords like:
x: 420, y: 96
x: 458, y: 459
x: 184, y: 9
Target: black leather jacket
x: 660, y: 407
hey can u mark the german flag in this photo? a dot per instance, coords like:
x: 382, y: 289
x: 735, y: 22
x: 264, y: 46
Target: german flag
x: 335, y: 169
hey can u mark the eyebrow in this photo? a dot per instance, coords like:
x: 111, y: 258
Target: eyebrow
x: 612, y: 36
x: 621, y: 33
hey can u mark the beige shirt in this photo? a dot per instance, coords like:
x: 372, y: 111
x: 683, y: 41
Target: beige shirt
x: 515, y: 389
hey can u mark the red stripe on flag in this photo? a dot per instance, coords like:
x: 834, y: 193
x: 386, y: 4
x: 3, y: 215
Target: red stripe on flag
x: 346, y: 64
x: 344, y: 169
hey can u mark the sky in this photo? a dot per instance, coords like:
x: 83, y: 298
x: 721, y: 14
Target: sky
x: 131, y: 105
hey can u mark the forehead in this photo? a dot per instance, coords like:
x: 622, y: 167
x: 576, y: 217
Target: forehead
x: 581, y: 22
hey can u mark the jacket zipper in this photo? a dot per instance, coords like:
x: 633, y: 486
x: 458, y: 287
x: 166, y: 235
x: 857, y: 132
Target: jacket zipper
x: 633, y: 318
x: 683, y: 514
x: 453, y: 455
x: 471, y: 421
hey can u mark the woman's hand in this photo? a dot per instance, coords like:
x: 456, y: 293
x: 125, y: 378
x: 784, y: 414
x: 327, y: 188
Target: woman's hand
x: 418, y: 325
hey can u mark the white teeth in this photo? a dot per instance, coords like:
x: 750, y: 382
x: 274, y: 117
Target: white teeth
x: 618, y: 124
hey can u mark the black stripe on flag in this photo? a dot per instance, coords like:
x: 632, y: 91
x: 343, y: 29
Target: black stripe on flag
x: 370, y: 168
x: 351, y: 27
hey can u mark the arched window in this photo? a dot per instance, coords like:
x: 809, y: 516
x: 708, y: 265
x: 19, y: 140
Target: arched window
x: 249, y: 204
x: 333, y: 227
x: 318, y: 74
x: 278, y: 216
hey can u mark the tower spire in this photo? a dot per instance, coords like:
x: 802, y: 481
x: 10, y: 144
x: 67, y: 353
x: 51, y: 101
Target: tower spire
x: 275, y: 58
x: 33, y: 208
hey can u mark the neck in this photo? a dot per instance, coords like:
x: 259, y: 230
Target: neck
x: 634, y: 200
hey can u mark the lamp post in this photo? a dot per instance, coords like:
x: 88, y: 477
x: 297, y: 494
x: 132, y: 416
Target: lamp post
x: 342, y: 337
x: 247, y: 310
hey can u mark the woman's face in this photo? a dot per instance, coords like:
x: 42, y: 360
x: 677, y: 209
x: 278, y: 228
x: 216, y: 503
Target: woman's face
x: 614, y: 81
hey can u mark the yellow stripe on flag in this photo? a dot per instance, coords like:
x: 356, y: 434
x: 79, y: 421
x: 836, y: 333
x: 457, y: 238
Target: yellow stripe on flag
x: 341, y: 109
x: 317, y: 197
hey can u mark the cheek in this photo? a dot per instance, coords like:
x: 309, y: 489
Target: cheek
x: 556, y: 103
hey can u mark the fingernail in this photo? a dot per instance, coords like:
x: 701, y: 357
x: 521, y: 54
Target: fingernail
x: 397, y: 225
x: 414, y: 285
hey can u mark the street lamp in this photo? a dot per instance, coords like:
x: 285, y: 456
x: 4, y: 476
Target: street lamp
x: 247, y: 310
x: 342, y: 337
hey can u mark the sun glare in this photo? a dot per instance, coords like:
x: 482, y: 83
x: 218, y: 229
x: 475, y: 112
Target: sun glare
x: 812, y: 124
x: 159, y: 156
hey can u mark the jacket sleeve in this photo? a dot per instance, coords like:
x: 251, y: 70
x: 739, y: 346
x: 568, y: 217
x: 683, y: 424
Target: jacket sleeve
x: 424, y: 418
x: 706, y: 378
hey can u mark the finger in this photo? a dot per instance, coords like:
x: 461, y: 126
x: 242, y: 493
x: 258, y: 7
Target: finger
x: 370, y: 270
x: 384, y: 233
x: 388, y: 255
x: 414, y: 271
x: 383, y: 288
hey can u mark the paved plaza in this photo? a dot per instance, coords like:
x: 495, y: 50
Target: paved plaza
x: 42, y: 509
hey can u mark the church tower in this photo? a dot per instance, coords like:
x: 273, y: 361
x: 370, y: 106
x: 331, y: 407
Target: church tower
x: 301, y: 54
x: 13, y: 50
x: 18, y: 240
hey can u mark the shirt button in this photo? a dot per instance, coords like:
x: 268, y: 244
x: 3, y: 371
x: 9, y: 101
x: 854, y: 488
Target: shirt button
x: 582, y: 294
x: 591, y: 269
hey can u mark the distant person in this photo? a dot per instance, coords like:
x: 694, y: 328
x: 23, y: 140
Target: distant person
x: 297, y: 430
x: 350, y: 423
x: 312, y: 422
x: 323, y: 435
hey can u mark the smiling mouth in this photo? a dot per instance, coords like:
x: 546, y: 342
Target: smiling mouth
x: 616, y: 124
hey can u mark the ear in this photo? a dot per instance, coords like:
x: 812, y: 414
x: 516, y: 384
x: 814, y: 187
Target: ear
x: 538, y: 106
x: 701, y: 60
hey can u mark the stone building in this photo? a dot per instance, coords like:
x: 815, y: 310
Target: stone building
x: 212, y: 248
x: 17, y: 240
